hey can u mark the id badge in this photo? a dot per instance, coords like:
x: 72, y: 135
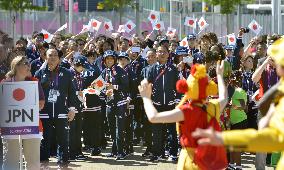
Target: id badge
x: 53, y: 94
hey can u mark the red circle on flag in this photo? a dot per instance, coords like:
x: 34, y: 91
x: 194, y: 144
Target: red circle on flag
x: 95, y: 24
x: 129, y: 26
x: 232, y: 39
x: 19, y: 94
x: 106, y: 26
x: 153, y: 16
x: 99, y: 83
x: 254, y: 27
x: 191, y: 22
x: 158, y: 26
x: 170, y: 32
x: 183, y: 43
x: 45, y: 36
x: 202, y: 23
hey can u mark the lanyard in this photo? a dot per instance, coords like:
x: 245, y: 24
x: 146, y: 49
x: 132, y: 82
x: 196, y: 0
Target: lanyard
x: 108, y: 76
x: 79, y: 80
x: 161, y: 73
x: 54, y: 81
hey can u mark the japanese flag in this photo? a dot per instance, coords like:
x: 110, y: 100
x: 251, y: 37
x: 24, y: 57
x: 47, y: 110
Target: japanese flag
x: 231, y: 39
x: 96, y: 24
x: 85, y: 28
x: 99, y: 84
x: 191, y: 22
x: 184, y: 42
x: 255, y: 27
x: 202, y: 24
x: 121, y: 28
x: 91, y: 91
x: 159, y: 25
x: 63, y: 27
x: 171, y: 32
x: 47, y: 36
x: 154, y: 16
x: 108, y: 26
x: 129, y: 26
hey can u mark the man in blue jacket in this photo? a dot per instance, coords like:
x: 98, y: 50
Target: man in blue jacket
x: 164, y: 78
x: 59, y: 109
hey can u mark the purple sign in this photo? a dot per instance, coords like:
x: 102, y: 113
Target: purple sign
x: 25, y: 130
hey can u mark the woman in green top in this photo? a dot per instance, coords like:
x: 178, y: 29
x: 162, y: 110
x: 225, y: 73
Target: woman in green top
x: 238, y: 117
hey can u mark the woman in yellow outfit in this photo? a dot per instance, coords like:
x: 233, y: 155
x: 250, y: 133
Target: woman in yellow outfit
x: 191, y: 115
x: 270, y: 137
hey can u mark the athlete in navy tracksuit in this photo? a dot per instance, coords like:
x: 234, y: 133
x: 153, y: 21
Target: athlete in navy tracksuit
x: 164, y: 78
x: 93, y: 115
x: 80, y: 63
x: 37, y: 63
x: 123, y: 62
x: 61, y: 99
x: 137, y: 63
x: 116, y: 100
x: 151, y: 59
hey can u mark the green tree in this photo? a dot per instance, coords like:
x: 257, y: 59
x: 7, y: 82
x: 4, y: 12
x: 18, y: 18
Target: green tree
x: 20, y: 6
x: 117, y: 5
x: 227, y: 6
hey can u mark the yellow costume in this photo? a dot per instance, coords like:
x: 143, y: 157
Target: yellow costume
x: 196, y: 89
x: 271, y: 138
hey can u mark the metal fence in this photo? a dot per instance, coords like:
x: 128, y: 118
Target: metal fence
x: 51, y: 21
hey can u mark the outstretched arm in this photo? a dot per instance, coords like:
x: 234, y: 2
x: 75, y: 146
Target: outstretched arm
x: 223, y: 98
x: 171, y: 116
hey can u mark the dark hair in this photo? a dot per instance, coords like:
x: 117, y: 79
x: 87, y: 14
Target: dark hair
x: 210, y: 56
x: 123, y: 40
x: 163, y: 47
x: 36, y: 34
x: 212, y: 38
x: 236, y: 78
x: 80, y: 39
x: 91, y: 53
x: 110, y: 44
x: 22, y: 39
x: 273, y: 37
x: 52, y: 44
x: 60, y: 53
x: 152, y: 50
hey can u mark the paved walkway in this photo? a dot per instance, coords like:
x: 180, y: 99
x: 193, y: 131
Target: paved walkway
x: 135, y: 162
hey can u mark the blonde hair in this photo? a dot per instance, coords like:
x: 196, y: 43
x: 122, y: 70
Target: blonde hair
x: 15, y: 62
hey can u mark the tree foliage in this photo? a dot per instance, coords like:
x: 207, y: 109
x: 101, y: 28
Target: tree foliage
x: 116, y: 4
x: 19, y: 5
x: 228, y: 6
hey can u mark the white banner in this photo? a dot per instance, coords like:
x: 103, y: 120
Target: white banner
x: 19, y: 108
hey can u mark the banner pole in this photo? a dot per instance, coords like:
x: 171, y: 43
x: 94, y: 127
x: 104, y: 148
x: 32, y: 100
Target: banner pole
x: 21, y: 152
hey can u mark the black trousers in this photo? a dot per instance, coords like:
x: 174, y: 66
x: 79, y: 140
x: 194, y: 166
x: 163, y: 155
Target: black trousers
x: 129, y: 131
x: 117, y: 120
x: 160, y: 135
x: 75, y: 135
x: 138, y: 118
x: 59, y: 128
x: 147, y: 132
x: 93, y: 122
x: 1, y: 152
